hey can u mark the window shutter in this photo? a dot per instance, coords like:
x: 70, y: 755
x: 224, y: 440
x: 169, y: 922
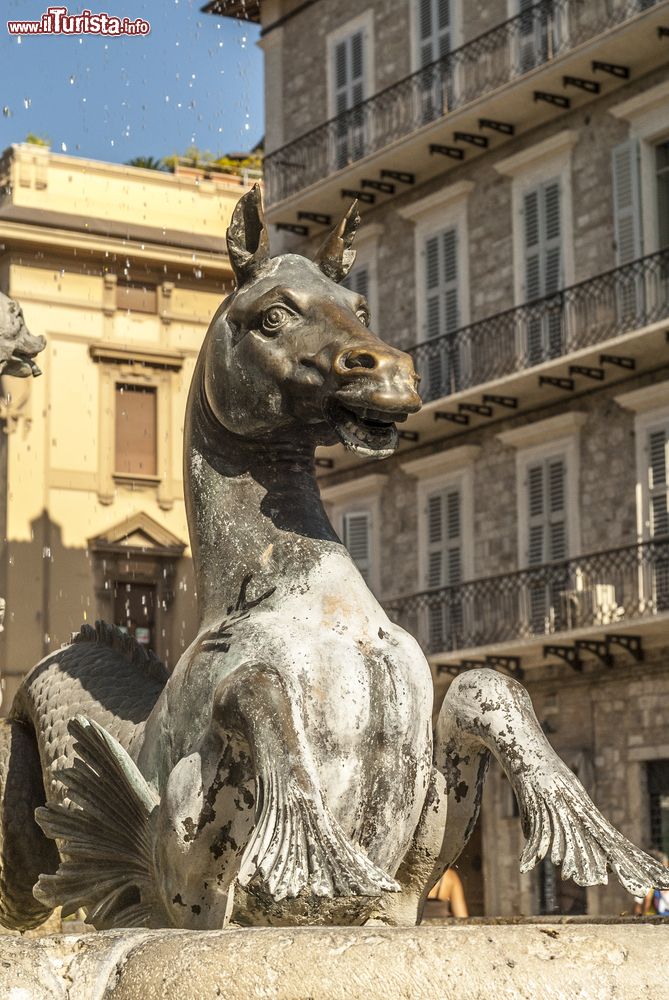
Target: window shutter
x: 432, y: 288
x: 658, y: 465
x: 450, y: 272
x: 532, y: 224
x: 341, y: 77
x: 357, y: 532
x: 552, y: 276
x: 358, y: 281
x: 444, y: 538
x: 434, y: 30
x: 627, y: 202
x: 543, y: 240
x: 349, y: 71
x: 136, y: 436
x: 547, y: 513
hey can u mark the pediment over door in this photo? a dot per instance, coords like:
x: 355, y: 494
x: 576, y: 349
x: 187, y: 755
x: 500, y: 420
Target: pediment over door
x: 141, y: 534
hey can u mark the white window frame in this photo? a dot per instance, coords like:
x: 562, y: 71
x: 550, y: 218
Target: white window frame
x: 456, y: 30
x: 537, y: 441
x: 548, y: 160
x: 645, y: 403
x: 445, y: 209
x: 647, y: 115
x: 364, y: 22
x: 361, y: 495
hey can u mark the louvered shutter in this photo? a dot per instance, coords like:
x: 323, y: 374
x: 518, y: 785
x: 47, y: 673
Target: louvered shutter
x: 627, y: 226
x: 358, y: 281
x: 658, y: 487
x: 434, y: 43
x: 442, y: 312
x: 546, y: 539
x: 543, y: 270
x: 627, y: 202
x: 357, y: 537
x: 349, y: 84
x: 444, y: 566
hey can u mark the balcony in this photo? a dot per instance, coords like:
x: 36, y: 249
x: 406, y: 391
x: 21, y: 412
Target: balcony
x: 519, y: 74
x: 615, y: 592
x: 590, y: 313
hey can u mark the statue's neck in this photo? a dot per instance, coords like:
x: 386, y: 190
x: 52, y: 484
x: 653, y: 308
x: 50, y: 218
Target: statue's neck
x: 254, y: 509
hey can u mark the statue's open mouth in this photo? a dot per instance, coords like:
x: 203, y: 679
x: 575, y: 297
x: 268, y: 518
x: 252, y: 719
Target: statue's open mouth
x: 365, y: 431
x: 20, y: 365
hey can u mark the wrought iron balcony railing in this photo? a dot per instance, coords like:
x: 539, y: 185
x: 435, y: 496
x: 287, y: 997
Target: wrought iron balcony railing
x: 606, y: 306
x: 603, y: 588
x: 536, y: 36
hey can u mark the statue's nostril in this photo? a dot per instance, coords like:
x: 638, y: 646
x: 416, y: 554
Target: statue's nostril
x: 359, y: 360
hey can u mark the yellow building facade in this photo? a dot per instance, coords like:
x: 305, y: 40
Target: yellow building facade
x: 121, y: 269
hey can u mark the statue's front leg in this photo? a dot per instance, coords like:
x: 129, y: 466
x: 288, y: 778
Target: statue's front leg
x: 418, y: 871
x: 487, y: 712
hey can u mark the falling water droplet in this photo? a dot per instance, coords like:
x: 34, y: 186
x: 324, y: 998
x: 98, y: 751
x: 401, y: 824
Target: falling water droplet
x: 26, y: 102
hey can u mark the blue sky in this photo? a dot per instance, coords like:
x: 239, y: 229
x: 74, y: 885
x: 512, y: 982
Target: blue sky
x: 194, y: 80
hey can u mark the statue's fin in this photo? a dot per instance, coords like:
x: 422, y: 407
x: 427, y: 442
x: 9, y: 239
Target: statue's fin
x: 106, y: 834
x: 297, y: 844
x: 560, y: 816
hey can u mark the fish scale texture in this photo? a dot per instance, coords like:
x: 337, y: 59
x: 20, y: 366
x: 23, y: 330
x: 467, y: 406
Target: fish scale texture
x: 107, y: 678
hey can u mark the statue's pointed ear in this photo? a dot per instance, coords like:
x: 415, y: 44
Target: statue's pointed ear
x: 336, y: 257
x: 247, y: 236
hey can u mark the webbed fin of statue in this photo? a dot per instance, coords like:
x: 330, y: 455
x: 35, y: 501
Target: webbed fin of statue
x: 106, y: 835
x: 298, y: 845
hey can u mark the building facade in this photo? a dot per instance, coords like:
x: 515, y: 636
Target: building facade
x: 121, y: 269
x: 511, y: 163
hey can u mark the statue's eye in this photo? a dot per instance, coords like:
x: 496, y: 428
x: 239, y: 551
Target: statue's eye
x: 363, y: 315
x: 274, y: 318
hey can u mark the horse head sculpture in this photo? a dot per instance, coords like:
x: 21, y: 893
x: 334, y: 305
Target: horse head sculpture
x: 285, y: 772
x: 18, y: 346
x: 291, y: 353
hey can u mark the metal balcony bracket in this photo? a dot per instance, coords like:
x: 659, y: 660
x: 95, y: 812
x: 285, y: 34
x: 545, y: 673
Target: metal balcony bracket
x: 472, y: 664
x: 663, y: 32
x: 365, y: 196
x: 474, y: 140
x: 557, y: 383
x: 399, y: 175
x: 567, y: 653
x: 591, y: 86
x: 589, y: 372
x: 614, y: 69
x: 455, y: 418
x: 559, y: 100
x: 324, y: 463
x: 292, y: 227
x: 452, y: 151
x: 506, y: 128
x: 480, y: 409
x: 630, y: 643
x: 408, y: 436
x: 318, y: 217
x: 509, y: 663
x: 598, y: 648
x: 617, y: 359
x: 511, y: 402
x: 385, y: 187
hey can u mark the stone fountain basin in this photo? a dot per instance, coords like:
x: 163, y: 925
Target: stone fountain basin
x: 470, y: 960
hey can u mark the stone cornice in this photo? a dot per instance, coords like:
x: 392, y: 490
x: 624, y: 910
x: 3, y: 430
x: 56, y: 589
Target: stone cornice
x: 651, y: 397
x: 543, y: 431
x: 526, y: 158
x: 353, y: 488
x: 442, y: 462
x: 416, y: 210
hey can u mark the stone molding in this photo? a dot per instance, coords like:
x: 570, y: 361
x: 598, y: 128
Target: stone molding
x: 362, y: 486
x: 543, y: 431
x: 556, y: 145
x: 417, y: 210
x: 442, y: 462
x: 650, y: 397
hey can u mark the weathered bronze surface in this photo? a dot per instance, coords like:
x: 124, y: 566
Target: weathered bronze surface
x: 285, y: 772
x: 18, y: 346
